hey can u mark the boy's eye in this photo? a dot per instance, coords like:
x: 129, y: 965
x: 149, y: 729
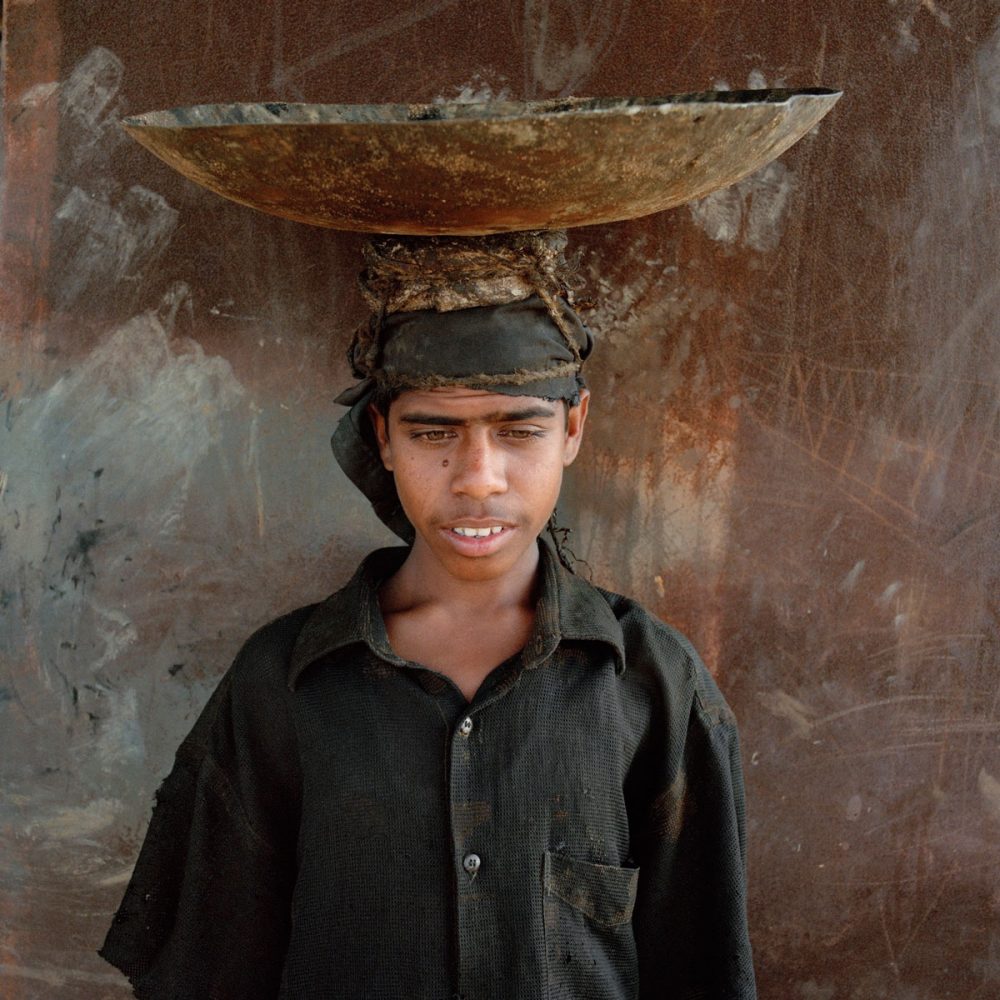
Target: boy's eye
x: 522, y: 433
x: 431, y: 435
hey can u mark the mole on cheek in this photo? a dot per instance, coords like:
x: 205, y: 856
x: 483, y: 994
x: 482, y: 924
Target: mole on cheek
x: 445, y: 463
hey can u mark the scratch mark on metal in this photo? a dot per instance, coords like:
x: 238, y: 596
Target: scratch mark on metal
x: 888, y: 938
x: 366, y: 36
x: 253, y: 463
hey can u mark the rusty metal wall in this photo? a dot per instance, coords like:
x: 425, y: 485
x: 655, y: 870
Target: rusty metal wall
x: 794, y: 451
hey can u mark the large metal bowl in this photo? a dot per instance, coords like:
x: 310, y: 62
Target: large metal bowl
x: 471, y: 169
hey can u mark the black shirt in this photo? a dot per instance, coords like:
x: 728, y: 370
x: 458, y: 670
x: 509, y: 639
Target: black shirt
x: 342, y: 823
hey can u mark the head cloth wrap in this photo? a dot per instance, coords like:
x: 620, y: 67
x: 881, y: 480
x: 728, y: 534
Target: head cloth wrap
x: 489, y: 313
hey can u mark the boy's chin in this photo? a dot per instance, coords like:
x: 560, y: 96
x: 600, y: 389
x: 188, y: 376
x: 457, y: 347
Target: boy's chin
x: 479, y: 559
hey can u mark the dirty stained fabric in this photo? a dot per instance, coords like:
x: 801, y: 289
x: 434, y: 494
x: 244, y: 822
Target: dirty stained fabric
x: 342, y: 823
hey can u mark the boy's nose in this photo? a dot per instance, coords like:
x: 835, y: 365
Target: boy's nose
x: 479, y: 471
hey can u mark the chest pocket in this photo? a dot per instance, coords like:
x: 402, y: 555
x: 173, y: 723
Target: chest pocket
x: 589, y: 944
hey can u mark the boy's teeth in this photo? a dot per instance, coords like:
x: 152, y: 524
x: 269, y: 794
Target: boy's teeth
x: 478, y: 532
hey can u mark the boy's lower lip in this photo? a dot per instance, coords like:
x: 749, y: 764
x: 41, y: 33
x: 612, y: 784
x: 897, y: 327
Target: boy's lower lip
x: 478, y: 545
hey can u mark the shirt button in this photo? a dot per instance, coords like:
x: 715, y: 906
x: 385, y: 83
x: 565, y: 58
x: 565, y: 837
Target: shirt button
x: 465, y: 727
x: 471, y: 863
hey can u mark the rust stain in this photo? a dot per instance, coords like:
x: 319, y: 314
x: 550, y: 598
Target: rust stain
x: 467, y: 816
x: 32, y: 41
x: 671, y: 808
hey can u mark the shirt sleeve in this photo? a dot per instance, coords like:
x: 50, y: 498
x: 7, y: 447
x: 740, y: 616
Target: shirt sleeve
x: 690, y: 917
x: 207, y: 911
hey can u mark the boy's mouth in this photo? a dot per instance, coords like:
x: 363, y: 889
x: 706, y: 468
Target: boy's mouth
x: 481, y: 539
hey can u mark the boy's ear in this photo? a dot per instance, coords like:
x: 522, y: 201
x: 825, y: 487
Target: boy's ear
x: 380, y: 424
x: 576, y: 417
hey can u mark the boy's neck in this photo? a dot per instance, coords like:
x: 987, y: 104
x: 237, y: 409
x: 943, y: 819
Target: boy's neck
x: 422, y: 580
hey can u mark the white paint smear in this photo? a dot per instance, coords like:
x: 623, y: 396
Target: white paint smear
x: 70, y: 822
x: 53, y: 975
x: 989, y: 789
x: 101, y: 243
x: 37, y: 95
x: 785, y: 706
x: 850, y: 581
x: 92, y: 87
x: 751, y: 213
x: 907, y: 43
x: 720, y: 214
x: 90, y: 106
x: 812, y: 990
x: 477, y: 90
x: 119, y: 735
x: 948, y: 308
x: 564, y: 43
x: 120, y: 877
x: 127, y: 435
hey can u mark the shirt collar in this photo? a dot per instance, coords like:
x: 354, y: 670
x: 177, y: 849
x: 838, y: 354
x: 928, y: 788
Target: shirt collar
x: 568, y: 608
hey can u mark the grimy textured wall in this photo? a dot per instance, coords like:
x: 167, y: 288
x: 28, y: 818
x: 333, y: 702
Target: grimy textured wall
x: 794, y: 453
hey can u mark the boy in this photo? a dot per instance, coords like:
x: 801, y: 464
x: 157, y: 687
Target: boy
x: 469, y: 773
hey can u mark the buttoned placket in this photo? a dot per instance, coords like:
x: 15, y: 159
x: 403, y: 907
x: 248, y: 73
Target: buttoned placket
x: 471, y: 772
x: 470, y: 824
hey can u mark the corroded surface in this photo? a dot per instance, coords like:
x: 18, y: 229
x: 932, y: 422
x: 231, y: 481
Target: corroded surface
x: 793, y: 451
x: 479, y: 168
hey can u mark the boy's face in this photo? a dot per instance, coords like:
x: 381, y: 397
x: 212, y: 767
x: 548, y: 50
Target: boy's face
x: 478, y: 473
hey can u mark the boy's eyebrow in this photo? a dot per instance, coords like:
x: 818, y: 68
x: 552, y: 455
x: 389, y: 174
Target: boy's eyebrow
x: 497, y: 417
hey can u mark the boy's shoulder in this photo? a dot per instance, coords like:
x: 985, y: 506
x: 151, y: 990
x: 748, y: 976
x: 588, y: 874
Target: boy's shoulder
x: 273, y: 643
x: 260, y: 669
x: 660, y: 654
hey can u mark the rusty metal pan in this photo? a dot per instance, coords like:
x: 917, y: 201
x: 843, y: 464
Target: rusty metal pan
x: 472, y: 169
